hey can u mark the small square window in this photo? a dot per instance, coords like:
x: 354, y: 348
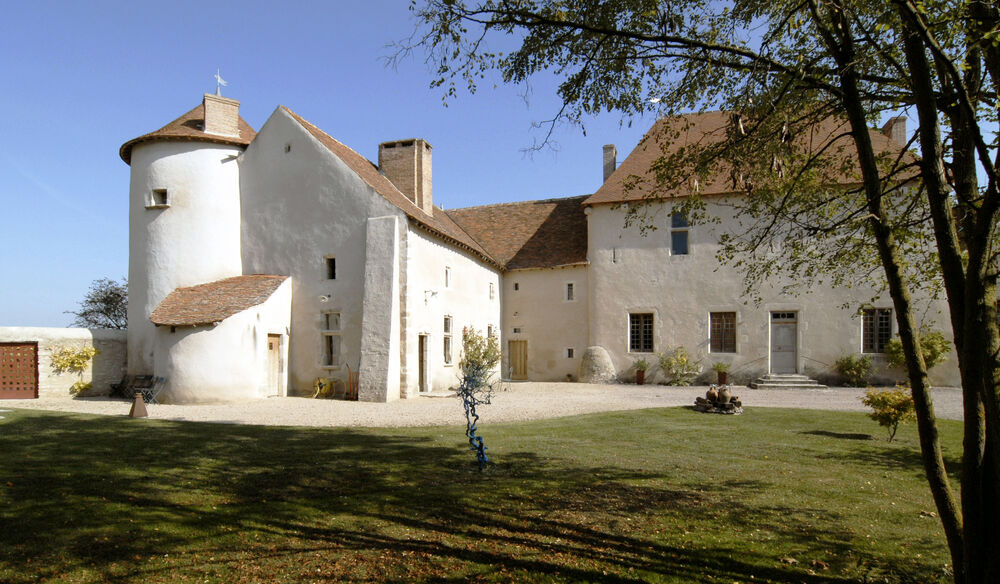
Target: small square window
x: 158, y: 198
x: 331, y: 321
x: 331, y: 268
x: 569, y: 353
x: 570, y: 293
x: 517, y: 286
x: 492, y: 293
x: 489, y: 330
x: 517, y: 330
x: 447, y: 277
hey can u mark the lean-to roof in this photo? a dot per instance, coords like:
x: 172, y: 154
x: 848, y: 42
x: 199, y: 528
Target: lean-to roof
x: 215, y: 301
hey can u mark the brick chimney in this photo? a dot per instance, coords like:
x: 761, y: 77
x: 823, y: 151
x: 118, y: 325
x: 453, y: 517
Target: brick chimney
x: 407, y: 164
x: 610, y: 160
x: 222, y: 115
x: 895, y: 129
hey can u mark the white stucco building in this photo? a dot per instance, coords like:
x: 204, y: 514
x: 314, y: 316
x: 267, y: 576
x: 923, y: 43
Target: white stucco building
x: 261, y: 261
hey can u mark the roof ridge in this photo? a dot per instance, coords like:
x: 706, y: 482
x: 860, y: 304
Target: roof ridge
x: 550, y: 200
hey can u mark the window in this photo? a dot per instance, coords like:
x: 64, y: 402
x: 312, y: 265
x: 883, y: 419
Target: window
x: 569, y: 292
x: 569, y: 353
x: 876, y: 329
x: 517, y: 330
x: 447, y: 277
x: 492, y: 293
x: 517, y: 286
x: 447, y: 340
x: 723, y: 332
x: 158, y: 198
x: 330, y: 323
x: 678, y: 234
x: 489, y: 330
x: 331, y: 268
x: 640, y: 333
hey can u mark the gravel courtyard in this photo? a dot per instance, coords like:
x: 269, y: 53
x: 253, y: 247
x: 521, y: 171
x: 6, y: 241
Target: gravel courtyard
x: 522, y: 401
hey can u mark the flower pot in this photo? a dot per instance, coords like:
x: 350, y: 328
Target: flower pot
x: 723, y: 377
x: 712, y: 394
x: 725, y: 394
x: 640, y: 376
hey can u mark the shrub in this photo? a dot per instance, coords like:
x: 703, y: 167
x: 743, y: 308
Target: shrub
x: 854, y: 369
x: 932, y: 344
x: 480, y: 355
x: 679, y: 367
x: 70, y: 360
x: 891, y: 406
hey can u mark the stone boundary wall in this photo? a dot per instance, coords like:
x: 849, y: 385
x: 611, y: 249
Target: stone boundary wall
x: 106, y: 368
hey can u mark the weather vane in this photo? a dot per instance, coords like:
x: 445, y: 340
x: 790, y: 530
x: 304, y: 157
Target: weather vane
x: 219, y: 83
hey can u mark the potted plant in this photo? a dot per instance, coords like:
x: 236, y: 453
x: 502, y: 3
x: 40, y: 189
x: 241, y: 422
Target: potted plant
x: 722, y: 369
x: 640, y: 370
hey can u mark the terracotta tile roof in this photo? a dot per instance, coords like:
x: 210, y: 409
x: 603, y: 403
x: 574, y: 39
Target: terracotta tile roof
x: 530, y: 234
x: 704, y: 129
x: 214, y: 302
x: 189, y: 127
x: 439, y: 223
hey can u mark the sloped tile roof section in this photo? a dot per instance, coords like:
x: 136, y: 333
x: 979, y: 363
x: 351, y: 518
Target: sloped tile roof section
x: 189, y: 127
x: 671, y: 134
x: 439, y: 223
x: 214, y: 302
x: 530, y: 234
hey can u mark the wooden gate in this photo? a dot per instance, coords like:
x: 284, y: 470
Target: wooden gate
x: 18, y: 370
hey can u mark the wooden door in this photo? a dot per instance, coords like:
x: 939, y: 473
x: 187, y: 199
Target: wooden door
x: 274, y: 367
x: 784, y: 338
x: 18, y: 370
x: 422, y: 362
x: 517, y: 352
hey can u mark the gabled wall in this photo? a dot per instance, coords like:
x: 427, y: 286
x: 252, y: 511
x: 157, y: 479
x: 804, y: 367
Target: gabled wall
x: 300, y: 204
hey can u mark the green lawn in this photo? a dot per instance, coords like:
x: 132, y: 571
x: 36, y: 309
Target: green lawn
x: 667, y: 495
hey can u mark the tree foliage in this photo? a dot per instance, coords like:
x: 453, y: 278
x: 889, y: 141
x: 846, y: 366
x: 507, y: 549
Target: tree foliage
x: 783, y: 69
x: 104, y: 306
x: 890, y: 407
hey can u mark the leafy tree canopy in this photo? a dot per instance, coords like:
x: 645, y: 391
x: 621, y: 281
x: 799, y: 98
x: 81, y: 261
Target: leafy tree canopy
x: 104, y: 306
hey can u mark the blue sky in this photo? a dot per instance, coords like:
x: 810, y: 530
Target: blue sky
x: 79, y: 79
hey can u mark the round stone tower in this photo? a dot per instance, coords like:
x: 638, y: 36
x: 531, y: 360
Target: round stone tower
x: 184, y: 212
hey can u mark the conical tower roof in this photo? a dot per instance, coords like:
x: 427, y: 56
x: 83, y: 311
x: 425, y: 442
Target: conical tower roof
x: 189, y: 127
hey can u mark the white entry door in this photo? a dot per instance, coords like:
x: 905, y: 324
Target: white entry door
x: 274, y: 365
x: 784, y: 339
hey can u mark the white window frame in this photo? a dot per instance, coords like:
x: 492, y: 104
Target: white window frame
x: 680, y: 229
x: 446, y: 346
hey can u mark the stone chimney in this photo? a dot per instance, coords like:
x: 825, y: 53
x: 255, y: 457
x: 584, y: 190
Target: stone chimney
x: 895, y: 129
x: 407, y: 164
x: 610, y: 160
x: 222, y: 115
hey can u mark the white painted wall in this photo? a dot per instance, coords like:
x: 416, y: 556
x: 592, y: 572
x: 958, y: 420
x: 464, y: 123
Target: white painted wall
x: 632, y: 273
x: 466, y: 299
x: 224, y: 363
x: 193, y: 241
x: 547, y: 320
x: 299, y: 206
x: 106, y: 368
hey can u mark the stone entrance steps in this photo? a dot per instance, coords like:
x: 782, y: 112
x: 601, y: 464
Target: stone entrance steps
x: 785, y: 381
